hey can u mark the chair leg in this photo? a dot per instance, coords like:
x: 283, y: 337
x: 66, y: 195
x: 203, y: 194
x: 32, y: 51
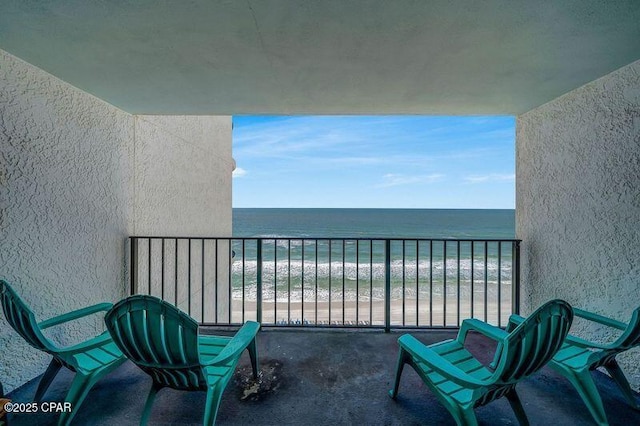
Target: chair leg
x: 463, y: 415
x: 214, y: 395
x: 402, y: 358
x: 583, y: 382
x: 79, y: 388
x: 516, y: 406
x: 47, y: 378
x: 147, y: 405
x: 253, y: 354
x: 618, y: 375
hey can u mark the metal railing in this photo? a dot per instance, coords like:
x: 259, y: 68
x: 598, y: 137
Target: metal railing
x: 331, y: 282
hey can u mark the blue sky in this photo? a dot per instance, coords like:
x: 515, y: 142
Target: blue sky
x: 374, y: 161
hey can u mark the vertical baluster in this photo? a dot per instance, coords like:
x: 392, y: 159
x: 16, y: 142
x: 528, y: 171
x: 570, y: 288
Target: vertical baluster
x: 330, y: 248
x: 499, y: 283
x: 458, y: 284
x: 175, y: 283
x: 430, y: 283
x: 289, y: 282
x: 486, y: 279
x: 244, y: 255
x: 215, y: 282
x: 417, y: 283
x: 275, y: 281
x: 133, y: 258
x: 149, y: 266
x: 387, y: 286
x: 316, y: 285
x: 343, y: 287
x: 202, y: 284
x: 404, y: 268
x: 230, y: 297
x: 370, y: 282
x: 444, y: 283
x: 259, y: 280
x: 161, y: 267
x: 189, y: 278
x: 515, y: 278
x: 302, y: 282
x: 472, y: 278
x: 357, y: 282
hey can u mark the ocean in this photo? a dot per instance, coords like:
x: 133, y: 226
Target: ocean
x: 336, y: 260
x: 374, y: 223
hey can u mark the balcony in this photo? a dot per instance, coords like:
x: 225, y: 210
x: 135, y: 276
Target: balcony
x: 332, y: 310
x: 321, y: 377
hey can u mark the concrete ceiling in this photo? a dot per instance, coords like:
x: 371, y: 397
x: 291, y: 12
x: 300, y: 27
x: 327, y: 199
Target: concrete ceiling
x: 324, y: 57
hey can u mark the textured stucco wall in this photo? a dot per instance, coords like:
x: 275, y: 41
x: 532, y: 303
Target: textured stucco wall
x: 77, y: 177
x: 65, y: 205
x: 578, y: 201
x: 186, y: 193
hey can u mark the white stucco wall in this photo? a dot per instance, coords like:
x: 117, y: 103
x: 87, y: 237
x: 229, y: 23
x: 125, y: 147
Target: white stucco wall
x: 578, y: 201
x: 77, y: 177
x: 65, y: 200
x: 187, y: 193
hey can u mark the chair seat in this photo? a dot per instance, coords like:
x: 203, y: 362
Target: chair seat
x: 103, y: 353
x: 211, y: 346
x: 456, y: 354
x: 572, y: 356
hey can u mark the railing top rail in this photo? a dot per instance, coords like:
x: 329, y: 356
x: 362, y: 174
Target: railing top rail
x: 325, y: 238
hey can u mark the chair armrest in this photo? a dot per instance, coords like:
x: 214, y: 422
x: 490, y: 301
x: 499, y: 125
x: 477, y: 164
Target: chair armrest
x: 583, y: 343
x: 571, y: 339
x: 488, y: 330
x: 73, y: 315
x: 514, y: 321
x: 95, y: 342
x: 236, y: 345
x: 599, y: 319
x: 423, y: 354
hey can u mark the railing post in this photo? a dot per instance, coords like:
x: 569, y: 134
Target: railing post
x: 387, y: 285
x: 133, y: 271
x: 259, y: 281
x: 515, y: 285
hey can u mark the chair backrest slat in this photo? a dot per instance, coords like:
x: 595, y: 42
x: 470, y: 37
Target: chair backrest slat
x: 22, y: 319
x: 534, y: 342
x: 159, y: 338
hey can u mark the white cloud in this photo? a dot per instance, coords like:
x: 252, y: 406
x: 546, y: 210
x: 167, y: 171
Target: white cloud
x: 239, y: 172
x: 492, y: 177
x: 393, y: 179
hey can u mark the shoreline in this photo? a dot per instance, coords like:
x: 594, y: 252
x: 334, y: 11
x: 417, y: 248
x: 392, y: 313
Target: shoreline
x: 369, y: 313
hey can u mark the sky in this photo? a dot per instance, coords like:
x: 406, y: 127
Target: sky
x: 374, y: 162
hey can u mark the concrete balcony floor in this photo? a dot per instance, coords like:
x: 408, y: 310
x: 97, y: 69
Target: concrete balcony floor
x: 325, y: 378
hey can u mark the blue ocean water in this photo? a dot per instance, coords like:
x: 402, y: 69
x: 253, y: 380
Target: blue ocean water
x: 374, y: 223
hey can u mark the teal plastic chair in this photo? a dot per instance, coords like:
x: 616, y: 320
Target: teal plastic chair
x: 578, y: 357
x: 164, y: 342
x: 461, y: 383
x: 90, y: 360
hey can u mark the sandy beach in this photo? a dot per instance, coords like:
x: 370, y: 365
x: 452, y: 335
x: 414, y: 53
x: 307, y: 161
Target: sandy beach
x: 370, y: 313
